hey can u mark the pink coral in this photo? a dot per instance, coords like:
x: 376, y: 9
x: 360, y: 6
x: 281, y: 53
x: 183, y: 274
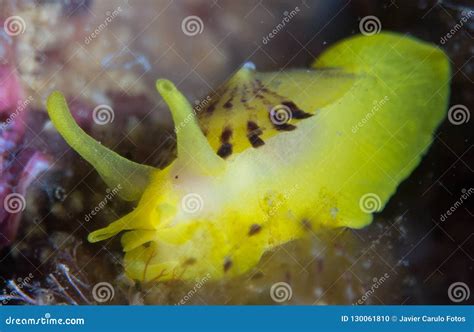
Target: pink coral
x: 19, y: 166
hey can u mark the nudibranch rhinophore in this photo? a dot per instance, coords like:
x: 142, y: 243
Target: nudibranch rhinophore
x: 270, y: 157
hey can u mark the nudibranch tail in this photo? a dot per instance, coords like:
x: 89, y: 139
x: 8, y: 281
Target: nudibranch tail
x: 116, y: 171
x: 193, y: 146
x: 395, y: 108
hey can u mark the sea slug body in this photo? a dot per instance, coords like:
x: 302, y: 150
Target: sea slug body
x: 273, y: 156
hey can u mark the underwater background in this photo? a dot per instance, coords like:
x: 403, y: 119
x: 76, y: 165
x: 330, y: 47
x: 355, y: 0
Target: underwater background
x: 111, y: 53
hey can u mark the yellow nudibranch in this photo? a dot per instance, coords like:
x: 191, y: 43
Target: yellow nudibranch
x: 247, y: 179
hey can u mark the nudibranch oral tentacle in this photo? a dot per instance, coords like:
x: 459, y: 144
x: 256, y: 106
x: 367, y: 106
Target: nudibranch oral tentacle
x: 358, y: 124
x: 113, y: 168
